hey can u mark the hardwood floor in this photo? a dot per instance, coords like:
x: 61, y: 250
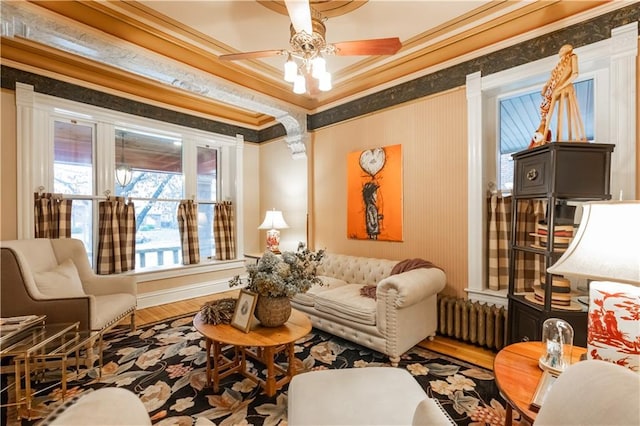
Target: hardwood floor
x: 466, y: 352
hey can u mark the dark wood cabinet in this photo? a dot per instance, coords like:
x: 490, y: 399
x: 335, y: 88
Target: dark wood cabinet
x: 557, y: 172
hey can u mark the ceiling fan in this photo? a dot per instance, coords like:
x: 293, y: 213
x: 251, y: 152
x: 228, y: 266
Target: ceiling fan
x: 308, y: 46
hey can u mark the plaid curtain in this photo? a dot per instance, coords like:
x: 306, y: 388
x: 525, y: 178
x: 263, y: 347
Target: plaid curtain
x: 116, y: 242
x: 52, y: 216
x: 529, y: 213
x: 188, y: 226
x: 531, y: 266
x: 224, y: 231
x: 499, y: 217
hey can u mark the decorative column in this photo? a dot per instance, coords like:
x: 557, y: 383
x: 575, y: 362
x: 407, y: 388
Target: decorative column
x: 623, y: 114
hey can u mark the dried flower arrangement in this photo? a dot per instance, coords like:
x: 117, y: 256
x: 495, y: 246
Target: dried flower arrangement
x: 285, y: 275
x: 218, y: 311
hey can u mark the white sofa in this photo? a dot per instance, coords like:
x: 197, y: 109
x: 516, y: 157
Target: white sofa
x: 403, y: 313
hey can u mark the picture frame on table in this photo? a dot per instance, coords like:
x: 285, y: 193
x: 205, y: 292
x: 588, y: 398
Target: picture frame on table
x: 243, y: 312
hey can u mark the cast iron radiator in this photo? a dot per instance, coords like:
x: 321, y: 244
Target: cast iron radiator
x: 472, y: 322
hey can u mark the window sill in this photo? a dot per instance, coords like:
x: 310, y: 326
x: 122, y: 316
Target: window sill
x: 159, y: 273
x: 496, y: 297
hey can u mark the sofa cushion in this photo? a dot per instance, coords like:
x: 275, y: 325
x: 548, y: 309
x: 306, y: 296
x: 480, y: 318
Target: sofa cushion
x: 308, y: 298
x: 346, y: 302
x: 60, y: 282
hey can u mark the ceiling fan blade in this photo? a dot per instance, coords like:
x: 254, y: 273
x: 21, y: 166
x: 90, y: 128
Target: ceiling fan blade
x: 300, y: 15
x: 377, y: 46
x: 250, y: 55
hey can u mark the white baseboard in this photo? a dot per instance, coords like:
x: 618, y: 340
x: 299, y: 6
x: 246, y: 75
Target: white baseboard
x: 161, y: 297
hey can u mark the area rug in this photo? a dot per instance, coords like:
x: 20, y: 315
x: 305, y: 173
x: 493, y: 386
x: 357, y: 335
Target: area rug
x: 164, y: 364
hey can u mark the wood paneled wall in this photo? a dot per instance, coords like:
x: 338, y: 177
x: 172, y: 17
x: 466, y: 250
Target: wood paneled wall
x: 433, y: 134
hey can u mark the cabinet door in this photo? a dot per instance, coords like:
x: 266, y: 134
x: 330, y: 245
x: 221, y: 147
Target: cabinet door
x: 524, y: 323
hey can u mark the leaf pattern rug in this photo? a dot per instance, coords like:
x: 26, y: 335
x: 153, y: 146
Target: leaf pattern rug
x: 164, y: 364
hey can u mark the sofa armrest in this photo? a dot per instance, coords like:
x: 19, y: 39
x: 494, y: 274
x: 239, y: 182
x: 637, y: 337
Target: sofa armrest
x: 109, y: 284
x: 413, y: 286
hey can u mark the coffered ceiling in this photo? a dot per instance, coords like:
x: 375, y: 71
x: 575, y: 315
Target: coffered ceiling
x: 192, y: 34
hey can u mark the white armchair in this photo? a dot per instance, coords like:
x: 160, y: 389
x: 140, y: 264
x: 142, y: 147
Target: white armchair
x: 54, y: 278
x: 361, y: 396
x: 592, y: 393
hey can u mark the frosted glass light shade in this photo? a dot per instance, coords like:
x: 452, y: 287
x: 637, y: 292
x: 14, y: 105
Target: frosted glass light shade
x: 299, y: 85
x: 273, y: 219
x: 318, y: 67
x: 290, y: 70
x: 607, y: 244
x: 124, y: 174
x: 325, y: 82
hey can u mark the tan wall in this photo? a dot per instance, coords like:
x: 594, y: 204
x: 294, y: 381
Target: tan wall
x: 251, y: 197
x: 433, y: 134
x: 283, y: 186
x: 8, y: 167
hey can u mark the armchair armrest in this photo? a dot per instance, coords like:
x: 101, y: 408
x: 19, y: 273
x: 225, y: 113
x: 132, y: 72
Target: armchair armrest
x: 110, y: 284
x: 62, y: 310
x: 413, y: 286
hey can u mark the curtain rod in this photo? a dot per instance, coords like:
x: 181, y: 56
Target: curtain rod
x: 107, y: 195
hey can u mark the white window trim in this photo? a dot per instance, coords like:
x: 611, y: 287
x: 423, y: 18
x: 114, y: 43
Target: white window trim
x: 35, y: 115
x: 615, y: 123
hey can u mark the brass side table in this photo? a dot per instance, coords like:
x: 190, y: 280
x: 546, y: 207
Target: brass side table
x: 38, y: 347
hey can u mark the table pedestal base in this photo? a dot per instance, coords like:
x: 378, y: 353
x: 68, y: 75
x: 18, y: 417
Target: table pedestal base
x: 224, y: 366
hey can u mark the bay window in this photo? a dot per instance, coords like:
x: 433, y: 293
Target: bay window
x: 74, y: 149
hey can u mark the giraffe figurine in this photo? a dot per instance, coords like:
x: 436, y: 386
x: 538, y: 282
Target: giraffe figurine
x: 559, y: 91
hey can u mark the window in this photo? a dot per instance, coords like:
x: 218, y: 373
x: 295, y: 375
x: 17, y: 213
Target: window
x: 207, y: 190
x: 82, y: 146
x: 156, y: 185
x: 610, y: 64
x: 519, y: 116
x: 73, y: 174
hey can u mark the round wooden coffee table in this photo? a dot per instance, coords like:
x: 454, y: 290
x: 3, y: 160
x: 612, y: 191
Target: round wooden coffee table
x: 517, y: 375
x: 260, y: 343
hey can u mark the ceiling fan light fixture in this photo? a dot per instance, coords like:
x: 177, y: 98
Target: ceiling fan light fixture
x: 290, y: 70
x: 299, y: 85
x: 324, y: 83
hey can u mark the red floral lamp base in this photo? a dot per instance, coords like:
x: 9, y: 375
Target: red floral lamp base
x: 273, y: 241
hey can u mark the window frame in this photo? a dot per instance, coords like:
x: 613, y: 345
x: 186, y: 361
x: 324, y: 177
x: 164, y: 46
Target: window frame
x: 615, y: 122
x: 36, y: 114
x: 598, y: 76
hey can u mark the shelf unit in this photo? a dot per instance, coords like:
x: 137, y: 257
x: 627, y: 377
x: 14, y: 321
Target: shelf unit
x: 557, y: 172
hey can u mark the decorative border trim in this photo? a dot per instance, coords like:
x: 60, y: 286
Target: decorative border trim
x: 584, y: 33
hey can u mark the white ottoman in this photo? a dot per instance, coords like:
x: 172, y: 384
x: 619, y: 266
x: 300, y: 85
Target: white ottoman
x: 361, y: 396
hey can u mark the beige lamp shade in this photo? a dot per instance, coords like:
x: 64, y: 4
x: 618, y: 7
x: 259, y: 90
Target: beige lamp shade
x: 607, y: 244
x: 273, y: 220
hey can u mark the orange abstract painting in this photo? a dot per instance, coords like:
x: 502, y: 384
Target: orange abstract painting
x: 374, y: 205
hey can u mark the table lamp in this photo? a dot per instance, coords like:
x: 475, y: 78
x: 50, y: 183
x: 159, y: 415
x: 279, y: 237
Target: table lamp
x: 606, y: 250
x: 273, y: 221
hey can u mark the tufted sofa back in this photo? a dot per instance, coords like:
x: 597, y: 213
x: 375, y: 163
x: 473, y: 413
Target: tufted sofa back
x: 355, y: 269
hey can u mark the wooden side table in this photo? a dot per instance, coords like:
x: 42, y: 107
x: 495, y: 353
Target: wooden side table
x: 517, y: 375
x: 267, y: 341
